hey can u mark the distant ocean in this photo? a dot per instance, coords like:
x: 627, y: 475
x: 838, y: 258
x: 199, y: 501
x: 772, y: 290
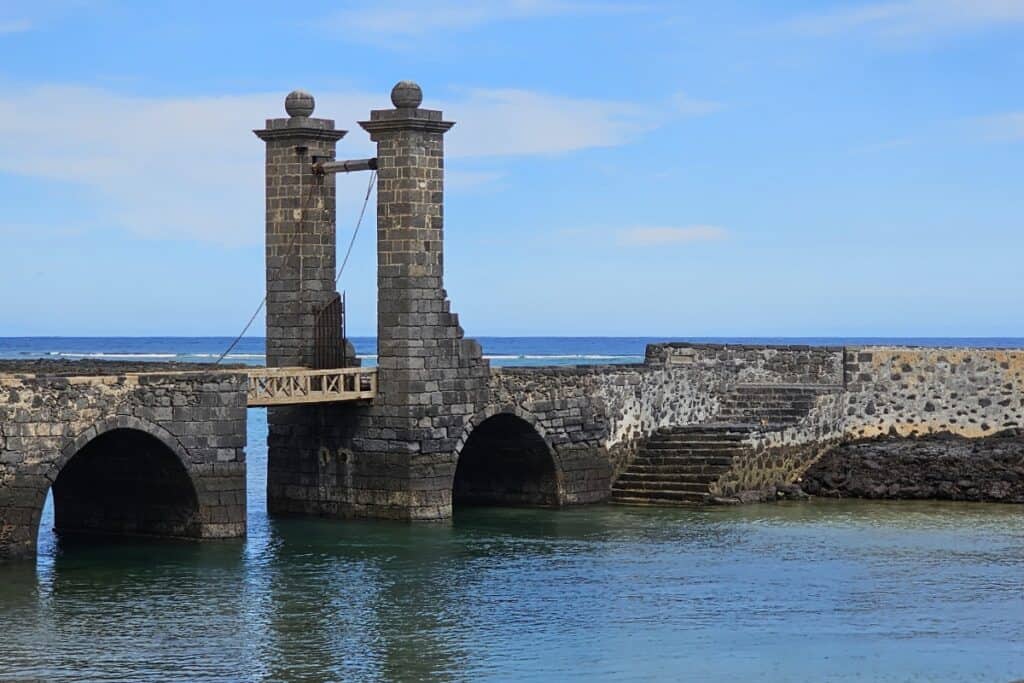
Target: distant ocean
x: 508, y: 351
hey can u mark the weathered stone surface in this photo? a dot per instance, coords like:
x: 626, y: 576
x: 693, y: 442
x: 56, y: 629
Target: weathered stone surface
x: 396, y: 457
x: 917, y: 391
x: 148, y: 451
x: 300, y: 230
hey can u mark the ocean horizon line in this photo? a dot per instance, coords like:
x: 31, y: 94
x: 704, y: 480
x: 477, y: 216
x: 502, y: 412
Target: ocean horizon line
x: 499, y: 351
x: 667, y: 338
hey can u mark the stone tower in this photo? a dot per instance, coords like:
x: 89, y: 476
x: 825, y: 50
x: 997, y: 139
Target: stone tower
x: 394, y: 457
x: 300, y: 235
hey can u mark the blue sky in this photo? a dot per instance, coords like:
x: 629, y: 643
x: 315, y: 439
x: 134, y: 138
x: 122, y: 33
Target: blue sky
x: 656, y: 168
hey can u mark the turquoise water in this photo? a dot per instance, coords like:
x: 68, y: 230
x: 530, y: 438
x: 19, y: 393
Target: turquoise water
x: 820, y: 591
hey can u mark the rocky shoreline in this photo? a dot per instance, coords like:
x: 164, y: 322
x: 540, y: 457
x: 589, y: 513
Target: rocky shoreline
x: 940, y: 467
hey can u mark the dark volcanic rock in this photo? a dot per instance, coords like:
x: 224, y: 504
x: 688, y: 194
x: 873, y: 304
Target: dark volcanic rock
x: 942, y: 466
x: 790, y: 492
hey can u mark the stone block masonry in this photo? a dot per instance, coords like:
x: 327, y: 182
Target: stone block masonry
x: 300, y: 231
x: 396, y: 457
x: 148, y: 452
x: 795, y: 402
x: 755, y: 364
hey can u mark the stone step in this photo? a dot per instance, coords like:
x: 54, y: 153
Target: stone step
x: 732, y: 409
x: 714, y: 429
x: 759, y: 415
x: 660, y: 483
x: 667, y: 474
x: 695, y: 450
x: 731, y: 432
x: 769, y: 396
x: 661, y: 494
x: 724, y: 457
x: 817, y: 388
x: 777, y: 405
x: 777, y: 419
x: 752, y: 403
x: 662, y: 491
x: 691, y: 445
x: 704, y: 461
x: 773, y: 395
x: 677, y: 469
x: 687, y: 484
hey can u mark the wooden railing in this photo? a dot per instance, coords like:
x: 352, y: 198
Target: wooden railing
x: 296, y: 386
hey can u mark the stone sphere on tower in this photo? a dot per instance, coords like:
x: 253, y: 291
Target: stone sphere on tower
x: 299, y: 103
x: 406, y: 95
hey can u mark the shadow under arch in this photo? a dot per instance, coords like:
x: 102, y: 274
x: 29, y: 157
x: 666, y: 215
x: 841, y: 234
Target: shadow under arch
x: 125, y: 477
x: 506, y: 460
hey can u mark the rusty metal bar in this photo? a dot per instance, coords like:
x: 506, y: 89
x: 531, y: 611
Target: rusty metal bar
x: 345, y: 166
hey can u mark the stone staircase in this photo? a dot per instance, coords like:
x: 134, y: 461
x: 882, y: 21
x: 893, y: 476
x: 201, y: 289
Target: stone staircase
x: 676, y: 465
x: 768, y: 404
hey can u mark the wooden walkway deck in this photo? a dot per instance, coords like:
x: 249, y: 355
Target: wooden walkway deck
x: 300, y: 386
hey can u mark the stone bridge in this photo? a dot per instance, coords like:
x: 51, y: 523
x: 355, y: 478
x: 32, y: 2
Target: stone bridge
x: 152, y: 453
x: 159, y: 450
x: 444, y: 427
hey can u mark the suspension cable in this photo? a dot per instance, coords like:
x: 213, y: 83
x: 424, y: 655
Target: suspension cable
x: 352, y: 241
x: 288, y: 253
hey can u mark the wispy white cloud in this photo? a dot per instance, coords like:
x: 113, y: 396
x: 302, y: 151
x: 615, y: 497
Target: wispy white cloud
x: 190, y: 168
x: 655, y: 236
x: 1003, y: 127
x: 527, y: 123
x: 906, y: 18
x: 389, y: 23
x: 692, y: 106
x: 14, y: 26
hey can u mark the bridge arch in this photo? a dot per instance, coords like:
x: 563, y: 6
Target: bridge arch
x: 505, y: 458
x: 124, y: 476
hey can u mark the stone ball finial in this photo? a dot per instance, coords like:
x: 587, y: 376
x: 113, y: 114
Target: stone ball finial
x: 406, y: 95
x: 299, y: 103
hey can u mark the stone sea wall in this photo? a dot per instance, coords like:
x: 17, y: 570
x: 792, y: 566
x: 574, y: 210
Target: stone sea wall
x: 601, y: 413
x: 861, y: 392
x: 896, y: 392
x: 753, y: 363
x: 613, y: 408
x: 917, y: 391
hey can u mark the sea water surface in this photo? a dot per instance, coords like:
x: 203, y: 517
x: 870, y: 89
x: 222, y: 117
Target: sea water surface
x: 818, y: 591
